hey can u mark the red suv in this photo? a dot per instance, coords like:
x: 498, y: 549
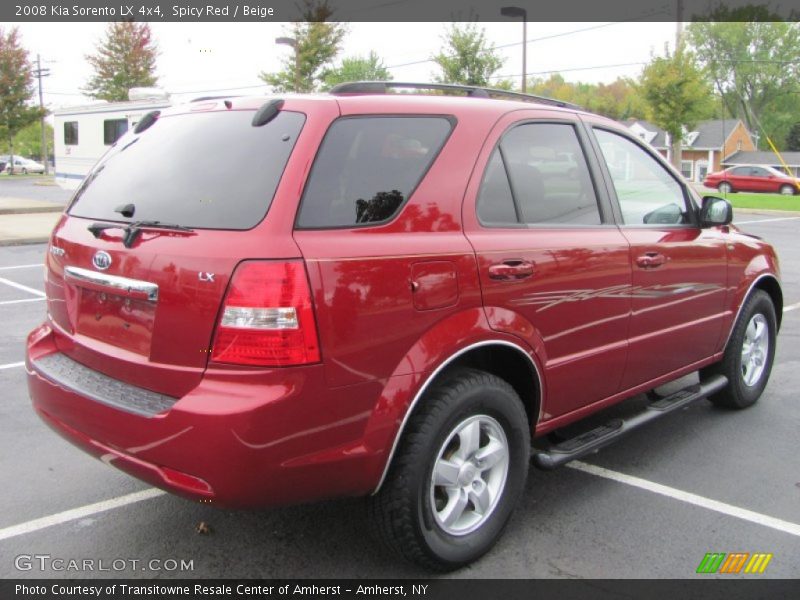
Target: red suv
x: 254, y: 302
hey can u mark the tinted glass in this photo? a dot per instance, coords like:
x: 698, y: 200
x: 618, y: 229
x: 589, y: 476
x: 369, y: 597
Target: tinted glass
x: 495, y: 203
x: 367, y: 167
x: 548, y: 176
x: 647, y: 193
x: 113, y: 129
x: 209, y: 170
x: 71, y: 133
x: 758, y: 172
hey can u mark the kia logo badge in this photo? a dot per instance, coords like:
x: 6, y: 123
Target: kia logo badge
x: 101, y: 260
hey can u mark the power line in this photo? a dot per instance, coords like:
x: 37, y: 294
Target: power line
x: 542, y: 38
x: 631, y: 64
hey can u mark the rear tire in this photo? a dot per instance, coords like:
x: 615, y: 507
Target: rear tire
x: 725, y: 188
x: 748, y: 358
x: 788, y: 190
x: 459, y: 471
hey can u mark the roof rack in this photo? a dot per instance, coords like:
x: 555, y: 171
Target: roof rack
x: 382, y: 87
x: 207, y: 98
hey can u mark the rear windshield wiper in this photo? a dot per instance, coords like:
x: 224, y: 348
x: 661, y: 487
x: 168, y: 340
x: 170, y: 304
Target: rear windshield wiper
x: 132, y: 230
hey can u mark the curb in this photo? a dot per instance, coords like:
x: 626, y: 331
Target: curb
x: 24, y: 241
x: 30, y: 210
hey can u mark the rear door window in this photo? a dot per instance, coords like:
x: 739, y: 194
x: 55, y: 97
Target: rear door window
x: 538, y: 175
x: 210, y: 170
x: 367, y: 167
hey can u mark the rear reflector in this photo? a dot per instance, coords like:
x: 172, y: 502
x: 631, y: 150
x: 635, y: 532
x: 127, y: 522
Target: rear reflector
x: 267, y: 317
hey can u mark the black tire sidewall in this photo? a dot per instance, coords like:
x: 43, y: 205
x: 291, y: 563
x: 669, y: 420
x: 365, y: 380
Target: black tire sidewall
x: 496, y: 402
x: 742, y: 394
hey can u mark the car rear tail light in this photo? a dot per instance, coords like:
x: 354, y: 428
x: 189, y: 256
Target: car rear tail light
x: 267, y: 317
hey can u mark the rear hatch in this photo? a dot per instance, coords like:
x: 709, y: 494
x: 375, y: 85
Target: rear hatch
x: 140, y: 302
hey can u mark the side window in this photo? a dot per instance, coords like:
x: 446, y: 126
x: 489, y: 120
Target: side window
x: 367, y: 167
x: 538, y: 175
x: 71, y: 133
x: 113, y: 129
x: 758, y: 172
x: 646, y: 191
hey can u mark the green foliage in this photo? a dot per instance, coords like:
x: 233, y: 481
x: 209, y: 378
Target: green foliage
x: 126, y: 58
x: 678, y: 95
x: 28, y: 141
x: 465, y: 57
x: 753, y: 60
x: 318, y: 43
x: 793, y: 138
x: 358, y: 68
x: 16, y: 88
x: 622, y: 99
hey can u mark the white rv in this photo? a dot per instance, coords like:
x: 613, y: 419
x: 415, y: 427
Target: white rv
x: 84, y: 133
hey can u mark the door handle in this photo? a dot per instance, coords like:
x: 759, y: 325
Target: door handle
x: 651, y: 260
x: 511, y: 270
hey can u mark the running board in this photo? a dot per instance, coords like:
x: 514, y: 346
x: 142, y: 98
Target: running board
x: 601, y: 436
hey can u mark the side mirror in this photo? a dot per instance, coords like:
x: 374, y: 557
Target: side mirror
x: 715, y: 212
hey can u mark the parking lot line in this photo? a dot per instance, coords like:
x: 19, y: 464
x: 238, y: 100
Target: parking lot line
x: 24, y: 288
x: 21, y: 267
x: 794, y: 306
x: 765, y: 220
x: 23, y: 300
x: 12, y: 365
x: 78, y: 513
x: 689, y: 498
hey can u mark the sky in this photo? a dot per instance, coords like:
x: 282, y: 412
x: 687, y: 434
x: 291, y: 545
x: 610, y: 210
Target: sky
x: 197, y: 58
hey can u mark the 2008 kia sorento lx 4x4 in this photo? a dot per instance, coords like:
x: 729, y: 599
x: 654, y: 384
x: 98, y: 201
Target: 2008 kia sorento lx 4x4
x: 256, y: 302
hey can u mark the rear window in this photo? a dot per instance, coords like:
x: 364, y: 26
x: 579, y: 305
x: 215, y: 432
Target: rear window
x: 209, y: 170
x: 367, y: 168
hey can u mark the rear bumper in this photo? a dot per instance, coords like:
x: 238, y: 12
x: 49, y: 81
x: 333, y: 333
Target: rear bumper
x: 241, y: 438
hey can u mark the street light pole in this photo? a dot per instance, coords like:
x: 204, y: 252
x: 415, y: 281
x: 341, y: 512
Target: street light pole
x: 293, y: 43
x: 516, y: 11
x: 39, y: 73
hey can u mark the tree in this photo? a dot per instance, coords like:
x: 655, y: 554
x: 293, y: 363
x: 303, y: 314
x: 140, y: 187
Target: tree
x: 622, y: 99
x: 358, y: 68
x: 793, y: 138
x: 678, y: 95
x: 316, y: 45
x: 16, y: 90
x: 466, y: 57
x: 126, y: 58
x: 753, y: 59
x: 28, y: 140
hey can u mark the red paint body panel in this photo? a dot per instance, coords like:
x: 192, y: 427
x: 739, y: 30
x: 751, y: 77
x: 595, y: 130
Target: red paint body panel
x: 393, y: 303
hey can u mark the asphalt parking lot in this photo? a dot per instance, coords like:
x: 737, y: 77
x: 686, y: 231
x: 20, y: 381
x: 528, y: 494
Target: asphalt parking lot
x: 651, y: 506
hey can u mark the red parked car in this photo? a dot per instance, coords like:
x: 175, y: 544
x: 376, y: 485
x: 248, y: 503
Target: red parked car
x: 752, y: 178
x: 392, y: 301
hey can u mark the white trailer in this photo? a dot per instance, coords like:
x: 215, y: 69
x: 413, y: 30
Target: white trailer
x: 84, y: 133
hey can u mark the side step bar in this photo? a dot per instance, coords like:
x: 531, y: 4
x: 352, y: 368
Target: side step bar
x: 601, y: 436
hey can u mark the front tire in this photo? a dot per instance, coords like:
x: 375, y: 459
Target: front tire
x: 459, y: 471
x: 748, y: 358
x: 725, y: 188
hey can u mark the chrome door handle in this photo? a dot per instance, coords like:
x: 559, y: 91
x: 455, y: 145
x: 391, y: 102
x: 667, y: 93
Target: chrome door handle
x: 511, y: 270
x: 651, y: 260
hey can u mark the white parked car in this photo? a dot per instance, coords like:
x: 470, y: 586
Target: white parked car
x: 25, y: 166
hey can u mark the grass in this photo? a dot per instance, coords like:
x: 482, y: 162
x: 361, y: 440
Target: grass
x: 762, y: 201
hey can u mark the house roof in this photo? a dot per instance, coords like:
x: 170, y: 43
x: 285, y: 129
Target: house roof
x: 657, y: 141
x: 706, y: 135
x: 762, y: 158
x: 713, y: 133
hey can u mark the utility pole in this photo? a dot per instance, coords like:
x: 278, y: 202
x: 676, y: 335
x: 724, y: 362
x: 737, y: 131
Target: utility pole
x: 678, y: 24
x: 39, y: 73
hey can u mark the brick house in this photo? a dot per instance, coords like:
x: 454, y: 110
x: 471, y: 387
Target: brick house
x: 704, y: 148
